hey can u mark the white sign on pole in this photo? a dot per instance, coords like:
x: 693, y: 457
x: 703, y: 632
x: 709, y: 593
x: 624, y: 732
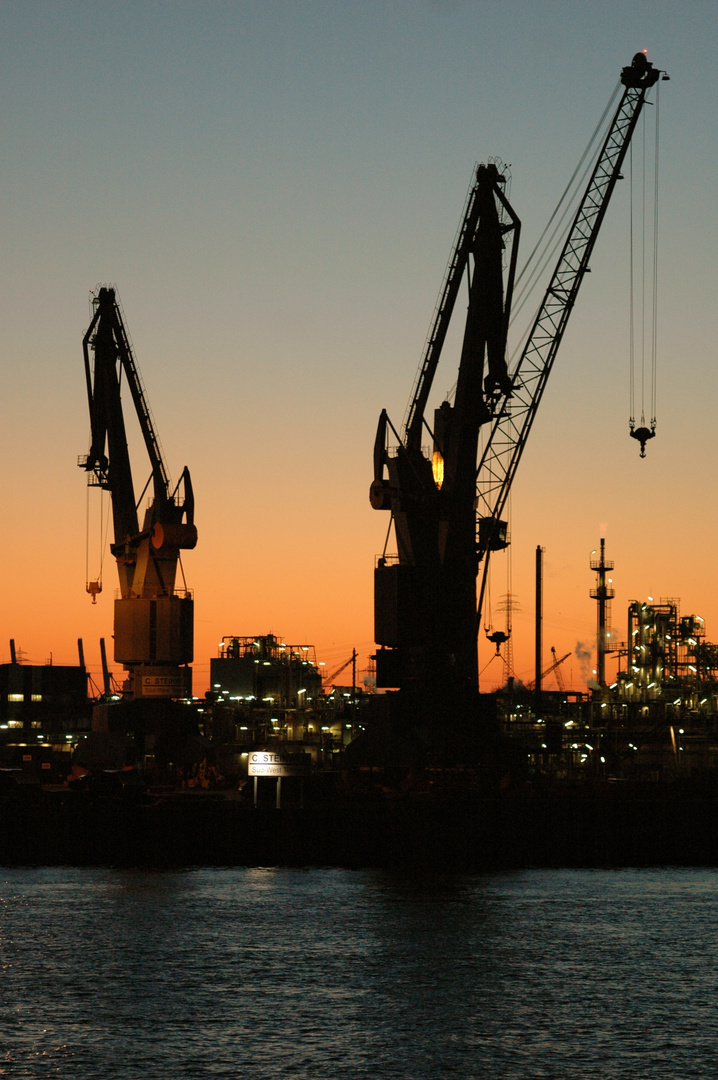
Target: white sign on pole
x: 268, y: 763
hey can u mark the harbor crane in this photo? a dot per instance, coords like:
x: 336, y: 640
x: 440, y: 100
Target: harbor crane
x: 447, y: 510
x: 554, y: 669
x: 153, y: 617
x: 329, y: 679
x: 425, y: 600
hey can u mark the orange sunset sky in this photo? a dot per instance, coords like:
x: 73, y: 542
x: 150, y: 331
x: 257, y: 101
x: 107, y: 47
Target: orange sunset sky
x: 274, y: 189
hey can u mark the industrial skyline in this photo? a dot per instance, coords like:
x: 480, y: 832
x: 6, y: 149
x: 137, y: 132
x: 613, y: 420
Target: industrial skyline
x: 274, y: 190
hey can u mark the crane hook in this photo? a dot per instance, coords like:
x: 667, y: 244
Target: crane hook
x: 643, y: 434
x: 498, y: 638
x: 93, y: 588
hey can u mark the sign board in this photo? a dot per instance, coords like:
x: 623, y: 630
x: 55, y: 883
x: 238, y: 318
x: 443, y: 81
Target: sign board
x: 162, y: 686
x: 268, y: 763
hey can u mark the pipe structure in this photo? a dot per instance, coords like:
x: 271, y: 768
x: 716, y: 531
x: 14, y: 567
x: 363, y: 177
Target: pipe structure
x: 602, y: 594
x: 105, y: 670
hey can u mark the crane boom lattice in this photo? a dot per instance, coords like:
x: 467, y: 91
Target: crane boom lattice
x: 507, y: 439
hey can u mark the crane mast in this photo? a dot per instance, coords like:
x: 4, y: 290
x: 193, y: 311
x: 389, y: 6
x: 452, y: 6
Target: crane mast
x: 446, y: 509
x: 425, y: 601
x: 153, y: 618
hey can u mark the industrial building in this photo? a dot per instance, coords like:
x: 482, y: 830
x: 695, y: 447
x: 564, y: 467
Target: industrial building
x: 44, y: 710
x: 266, y: 691
x: 264, y: 669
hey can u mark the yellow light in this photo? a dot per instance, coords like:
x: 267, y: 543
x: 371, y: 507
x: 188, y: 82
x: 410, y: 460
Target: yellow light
x: 437, y: 469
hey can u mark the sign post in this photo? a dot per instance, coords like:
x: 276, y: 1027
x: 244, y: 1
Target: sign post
x: 270, y: 763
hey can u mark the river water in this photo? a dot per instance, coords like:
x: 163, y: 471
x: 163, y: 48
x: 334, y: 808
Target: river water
x: 270, y: 973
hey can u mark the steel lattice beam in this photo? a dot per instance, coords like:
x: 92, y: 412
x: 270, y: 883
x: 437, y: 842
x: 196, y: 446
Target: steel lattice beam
x: 506, y: 441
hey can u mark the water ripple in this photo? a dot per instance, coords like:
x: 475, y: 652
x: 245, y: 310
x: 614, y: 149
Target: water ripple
x: 332, y: 973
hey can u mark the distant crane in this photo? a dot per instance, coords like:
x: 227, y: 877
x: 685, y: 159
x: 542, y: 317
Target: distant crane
x: 329, y: 679
x: 556, y: 669
x: 153, y: 625
x: 553, y: 668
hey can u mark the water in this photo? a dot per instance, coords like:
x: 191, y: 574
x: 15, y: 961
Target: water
x: 269, y: 973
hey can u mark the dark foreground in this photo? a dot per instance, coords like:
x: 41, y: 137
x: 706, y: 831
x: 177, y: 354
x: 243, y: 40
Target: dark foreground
x: 609, y: 825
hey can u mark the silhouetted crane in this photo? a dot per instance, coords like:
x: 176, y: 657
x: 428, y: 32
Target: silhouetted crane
x: 446, y: 510
x: 153, y: 631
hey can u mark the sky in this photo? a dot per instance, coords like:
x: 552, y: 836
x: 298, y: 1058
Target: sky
x: 274, y: 189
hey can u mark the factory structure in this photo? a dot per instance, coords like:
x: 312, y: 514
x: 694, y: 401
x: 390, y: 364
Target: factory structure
x: 444, y: 478
x: 265, y: 691
x: 44, y: 710
x: 649, y: 712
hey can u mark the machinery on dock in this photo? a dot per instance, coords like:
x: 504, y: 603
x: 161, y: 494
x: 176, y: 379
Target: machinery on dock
x: 447, y: 504
x: 153, y: 618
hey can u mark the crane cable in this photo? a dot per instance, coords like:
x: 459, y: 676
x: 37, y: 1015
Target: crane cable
x: 500, y: 637
x: 570, y: 196
x: 654, y: 325
x: 643, y: 433
x: 488, y: 617
x: 95, y: 587
x: 510, y: 606
x: 545, y: 248
x: 87, y: 537
x: 494, y: 656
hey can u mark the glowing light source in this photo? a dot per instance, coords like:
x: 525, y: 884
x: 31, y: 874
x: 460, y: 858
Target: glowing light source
x: 437, y: 469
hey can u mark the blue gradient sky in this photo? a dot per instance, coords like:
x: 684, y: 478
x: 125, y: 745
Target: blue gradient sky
x: 274, y: 188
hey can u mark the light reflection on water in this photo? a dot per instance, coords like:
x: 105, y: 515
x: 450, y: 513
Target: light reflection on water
x: 335, y: 973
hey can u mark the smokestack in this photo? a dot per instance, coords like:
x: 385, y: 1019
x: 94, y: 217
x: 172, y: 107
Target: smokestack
x: 539, y: 622
x: 602, y: 594
x: 105, y: 669
x: 13, y: 656
x: 81, y: 652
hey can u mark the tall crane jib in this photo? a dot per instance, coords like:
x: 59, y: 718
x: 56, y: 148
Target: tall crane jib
x: 447, y: 507
x: 153, y: 617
